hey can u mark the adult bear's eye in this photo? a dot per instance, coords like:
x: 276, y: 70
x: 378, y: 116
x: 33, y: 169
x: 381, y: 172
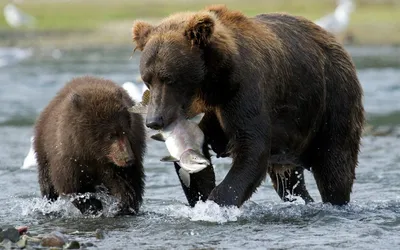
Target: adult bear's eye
x: 166, y: 80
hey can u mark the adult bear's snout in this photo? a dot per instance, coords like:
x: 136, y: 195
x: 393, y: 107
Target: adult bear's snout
x: 155, y: 122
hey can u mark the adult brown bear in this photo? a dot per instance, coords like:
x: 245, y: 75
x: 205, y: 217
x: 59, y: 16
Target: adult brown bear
x: 276, y: 89
x: 85, y: 138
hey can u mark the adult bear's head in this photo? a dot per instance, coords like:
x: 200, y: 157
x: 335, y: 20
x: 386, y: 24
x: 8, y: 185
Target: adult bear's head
x: 185, y: 61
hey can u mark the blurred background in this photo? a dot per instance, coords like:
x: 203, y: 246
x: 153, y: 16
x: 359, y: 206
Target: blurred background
x: 45, y: 43
x: 64, y: 22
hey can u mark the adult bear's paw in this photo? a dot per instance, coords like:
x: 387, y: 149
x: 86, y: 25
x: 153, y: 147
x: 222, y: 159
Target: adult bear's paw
x: 225, y: 195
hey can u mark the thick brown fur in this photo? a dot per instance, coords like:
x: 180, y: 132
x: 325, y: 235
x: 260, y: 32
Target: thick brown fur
x: 85, y: 138
x: 277, y: 90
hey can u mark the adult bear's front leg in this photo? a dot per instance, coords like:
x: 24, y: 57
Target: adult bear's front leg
x: 201, y: 183
x: 250, y: 148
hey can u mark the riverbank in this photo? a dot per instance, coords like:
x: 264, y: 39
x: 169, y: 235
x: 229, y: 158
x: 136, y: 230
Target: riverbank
x: 75, y: 23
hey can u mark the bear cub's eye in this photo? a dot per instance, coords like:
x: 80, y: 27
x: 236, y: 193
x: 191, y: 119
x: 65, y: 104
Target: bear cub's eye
x: 112, y: 136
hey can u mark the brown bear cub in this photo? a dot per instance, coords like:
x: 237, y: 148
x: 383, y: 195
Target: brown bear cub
x: 86, y: 138
x: 279, y: 93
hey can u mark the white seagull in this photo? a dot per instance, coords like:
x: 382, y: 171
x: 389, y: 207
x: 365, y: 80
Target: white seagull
x: 135, y: 91
x: 30, y: 159
x: 337, y: 22
x: 16, y: 18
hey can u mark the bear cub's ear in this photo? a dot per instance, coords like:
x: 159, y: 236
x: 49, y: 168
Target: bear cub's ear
x: 200, y: 28
x: 140, y: 33
x: 77, y: 101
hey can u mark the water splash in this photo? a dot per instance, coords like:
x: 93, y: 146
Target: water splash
x: 265, y: 212
x: 41, y: 206
x: 207, y: 211
x: 63, y: 207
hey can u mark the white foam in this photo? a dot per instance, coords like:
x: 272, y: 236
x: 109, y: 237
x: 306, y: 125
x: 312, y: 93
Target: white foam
x: 204, y: 211
x: 63, y: 206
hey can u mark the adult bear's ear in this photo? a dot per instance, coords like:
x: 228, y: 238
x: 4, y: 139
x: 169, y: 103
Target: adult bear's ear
x: 200, y: 29
x: 140, y: 33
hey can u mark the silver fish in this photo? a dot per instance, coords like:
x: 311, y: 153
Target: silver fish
x: 184, y: 140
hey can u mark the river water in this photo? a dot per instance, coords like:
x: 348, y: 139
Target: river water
x: 370, y: 221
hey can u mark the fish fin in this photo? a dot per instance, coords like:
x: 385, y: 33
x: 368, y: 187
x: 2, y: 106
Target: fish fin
x: 185, y: 177
x: 169, y: 159
x: 145, y: 96
x: 197, y: 118
x: 158, y: 137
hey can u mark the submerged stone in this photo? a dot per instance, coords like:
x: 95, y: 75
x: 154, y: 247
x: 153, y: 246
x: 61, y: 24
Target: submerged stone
x: 99, y: 234
x: 88, y: 244
x: 52, y: 241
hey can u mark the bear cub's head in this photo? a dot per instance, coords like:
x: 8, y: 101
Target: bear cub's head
x: 100, y: 125
x: 174, y: 62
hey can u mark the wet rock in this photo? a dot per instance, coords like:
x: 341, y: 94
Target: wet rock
x: 88, y: 244
x: 6, y: 244
x: 22, y: 243
x: 22, y: 229
x: 73, y: 245
x: 11, y: 234
x: 99, y: 234
x: 52, y: 241
x: 31, y: 239
x: 55, y: 239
